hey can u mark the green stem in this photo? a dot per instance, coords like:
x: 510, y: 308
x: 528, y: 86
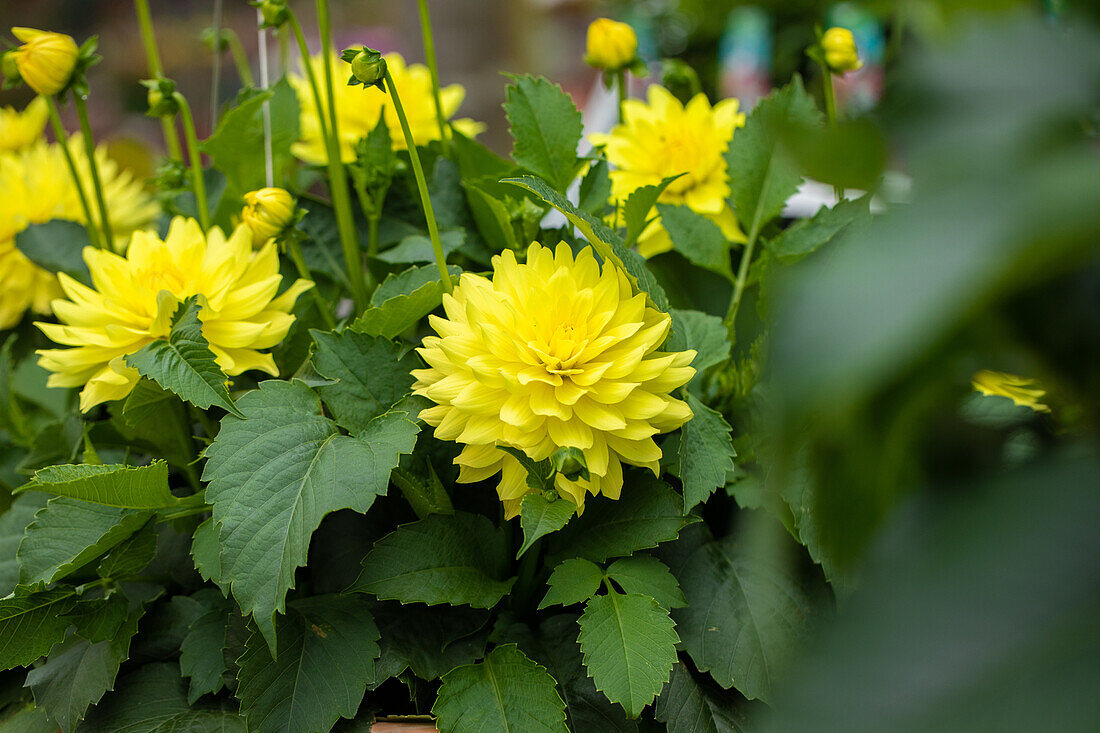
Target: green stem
x: 620, y: 84
x: 196, y: 160
x: 830, y: 111
x: 180, y: 514
x: 422, y: 184
x: 294, y: 249
x: 372, y: 238
x: 240, y: 58
x: 63, y: 141
x: 433, y: 68
x: 742, y: 278
x: 149, y: 39
x: 89, y: 151
x: 284, y: 50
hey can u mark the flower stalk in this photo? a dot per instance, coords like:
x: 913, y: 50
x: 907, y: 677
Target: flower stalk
x: 63, y: 143
x: 152, y: 55
x: 196, y: 160
x: 429, y: 57
x: 89, y: 150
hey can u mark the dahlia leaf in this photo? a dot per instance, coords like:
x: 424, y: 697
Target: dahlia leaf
x: 697, y: 238
x: 704, y: 333
x: 184, y: 364
x: 153, y: 699
x: 327, y: 649
x: 648, y: 513
x: 648, y: 576
x: 540, y: 474
x: 78, y: 673
x: 706, y: 453
x: 275, y: 474
x: 372, y: 375
x: 100, y: 619
x: 202, y: 658
x: 418, y: 248
x: 546, y: 127
x: 13, y: 523
x: 629, y: 647
x: 505, y: 692
x: 206, y: 553
x: 688, y: 705
x: 457, y: 559
x: 68, y: 534
x: 539, y: 516
x: 115, y: 485
x: 427, y: 640
x: 422, y: 488
x: 57, y: 246
x: 31, y: 623
x: 637, y: 207
x: 808, y: 235
x: 409, y: 282
x: 607, y: 243
x: 573, y: 581
x: 494, y: 221
x: 596, y: 189
x: 744, y: 616
x: 766, y: 175
x: 132, y: 555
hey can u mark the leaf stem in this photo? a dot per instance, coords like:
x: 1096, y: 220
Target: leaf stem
x: 620, y: 85
x: 63, y: 141
x: 742, y: 278
x: 89, y: 151
x: 421, y: 183
x: 294, y: 249
x: 149, y: 39
x: 240, y: 58
x: 196, y: 160
x: 830, y: 111
x: 433, y: 68
x: 216, y: 66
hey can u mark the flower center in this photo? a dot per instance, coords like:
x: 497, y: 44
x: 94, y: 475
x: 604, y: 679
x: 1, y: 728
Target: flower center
x: 164, y: 277
x: 559, y: 353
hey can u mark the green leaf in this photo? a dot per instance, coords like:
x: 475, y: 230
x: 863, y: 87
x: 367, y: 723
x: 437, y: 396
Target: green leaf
x: 274, y: 475
x: 100, y: 619
x: 206, y: 552
x: 688, y: 705
x: 540, y: 474
x: 706, y: 453
x: 410, y: 296
x: 506, y: 692
x: 494, y: 221
x: 124, y: 487
x: 546, y: 127
x: 153, y: 699
x: 422, y: 488
x: 704, y: 333
x: 13, y: 523
x: 595, y: 189
x: 629, y: 648
x: 68, y: 534
x: 744, y: 616
x: 648, y: 576
x: 373, y: 374
x: 184, y: 363
x: 57, y: 246
x: 154, y: 414
x: 327, y: 648
x: 572, y: 581
x: 457, y: 559
x: 28, y: 720
x: 697, y: 238
x: 648, y: 513
x: 607, y: 243
x: 132, y: 555
x: 418, y: 248
x: 31, y: 623
x: 637, y: 207
x: 201, y: 654
x: 428, y: 640
x: 538, y: 517
x: 808, y: 235
x: 765, y: 175
x: 78, y: 673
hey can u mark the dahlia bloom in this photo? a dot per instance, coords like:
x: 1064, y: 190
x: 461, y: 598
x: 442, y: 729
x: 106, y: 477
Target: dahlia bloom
x: 267, y: 213
x: 1021, y: 390
x: 38, y: 187
x: 133, y: 298
x: 610, y: 45
x: 661, y: 137
x: 46, y: 60
x: 549, y: 354
x: 20, y: 129
x: 358, y: 109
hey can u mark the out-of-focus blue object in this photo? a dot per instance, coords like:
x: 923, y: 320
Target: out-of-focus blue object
x: 860, y: 91
x: 745, y: 55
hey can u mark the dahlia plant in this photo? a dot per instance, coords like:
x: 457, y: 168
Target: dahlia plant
x: 346, y: 417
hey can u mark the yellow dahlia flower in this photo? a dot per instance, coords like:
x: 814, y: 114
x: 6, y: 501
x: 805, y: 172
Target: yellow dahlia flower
x: 20, y: 129
x: 839, y: 46
x: 133, y: 298
x: 1022, y: 391
x: 661, y: 137
x: 611, y: 45
x: 549, y: 354
x: 358, y: 109
x: 267, y: 212
x: 38, y: 187
x: 46, y: 60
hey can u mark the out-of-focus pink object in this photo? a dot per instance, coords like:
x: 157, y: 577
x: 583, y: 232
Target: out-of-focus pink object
x: 400, y: 727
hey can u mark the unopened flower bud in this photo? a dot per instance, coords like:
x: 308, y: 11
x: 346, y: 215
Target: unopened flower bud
x: 612, y: 45
x: 45, y: 60
x: 839, y: 47
x: 274, y: 12
x: 267, y: 212
x: 570, y: 462
x: 367, y: 67
x: 161, y: 97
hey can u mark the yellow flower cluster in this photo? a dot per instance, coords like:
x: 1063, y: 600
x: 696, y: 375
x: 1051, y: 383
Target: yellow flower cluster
x: 133, y: 299
x: 549, y: 354
x: 20, y: 129
x: 358, y: 109
x: 38, y: 187
x: 662, y: 137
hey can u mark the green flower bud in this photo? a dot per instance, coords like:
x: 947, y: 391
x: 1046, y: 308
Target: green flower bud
x: 161, y: 97
x: 275, y: 12
x: 569, y: 462
x: 367, y: 67
x: 9, y: 67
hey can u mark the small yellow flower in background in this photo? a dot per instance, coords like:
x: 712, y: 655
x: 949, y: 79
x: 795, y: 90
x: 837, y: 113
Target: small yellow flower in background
x: 45, y: 60
x: 358, y: 109
x: 839, y: 47
x: 1021, y: 390
x: 611, y: 45
x: 35, y: 187
x: 20, y: 129
x: 661, y: 137
x: 267, y: 212
x: 549, y: 354
x: 133, y: 299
